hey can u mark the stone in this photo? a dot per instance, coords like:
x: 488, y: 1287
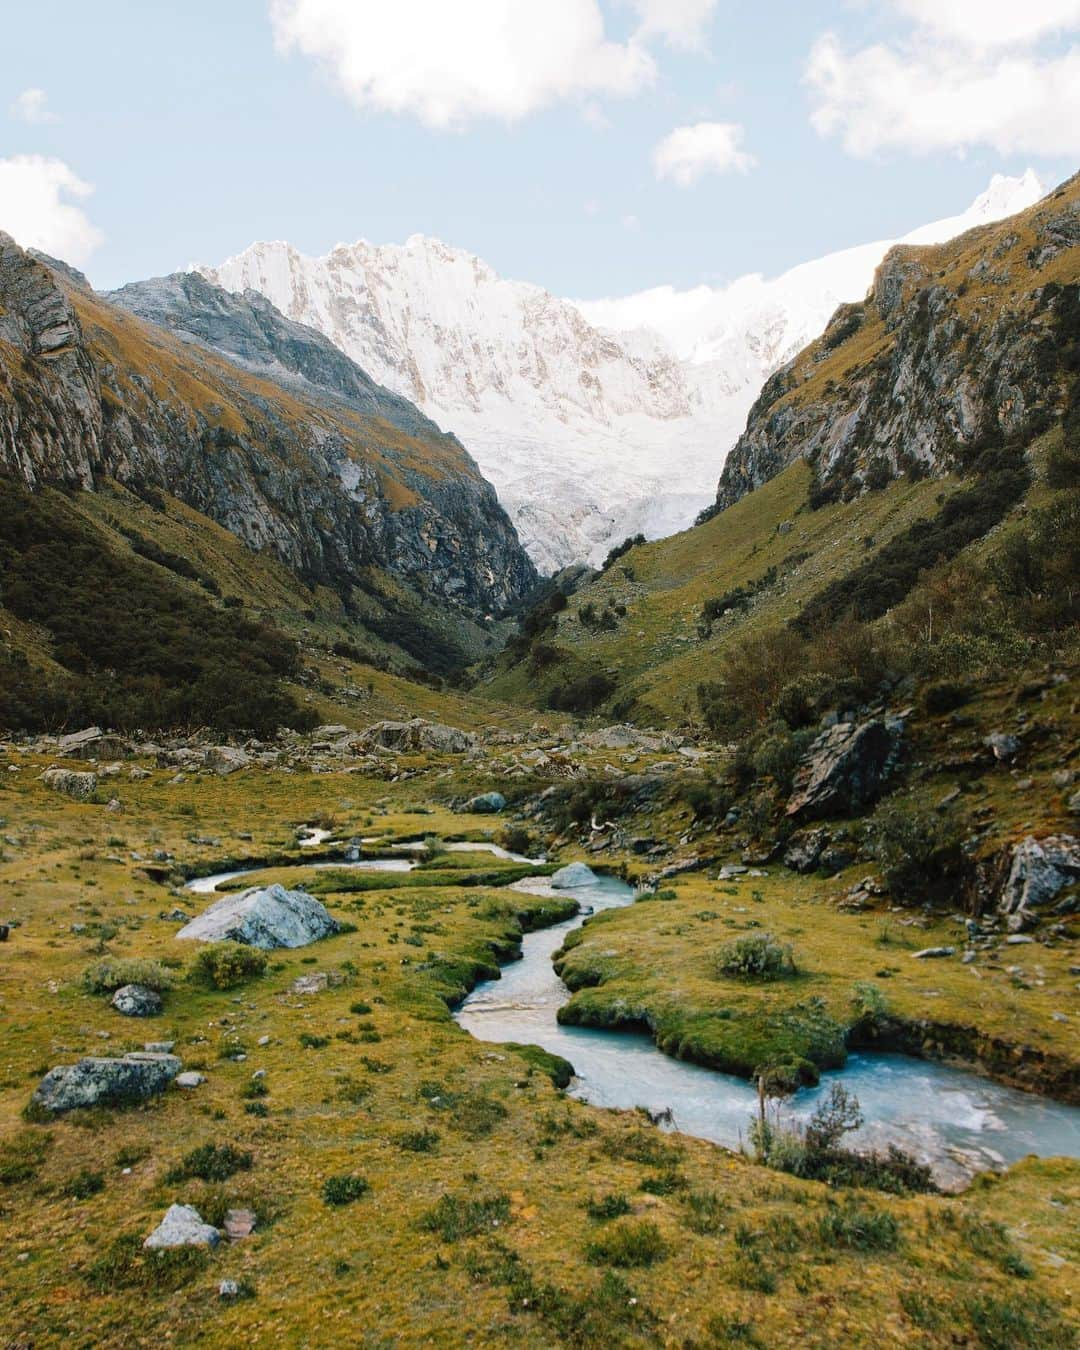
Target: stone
x: 225, y: 759
x: 835, y: 858
x: 1074, y: 804
x: 730, y: 871
x: 928, y: 953
x: 175, y: 916
x: 190, y: 1079
x: 576, y: 874
x: 239, y: 1224
x: 101, y: 1081
x: 182, y: 1226
x: 266, y: 917
x: 314, y: 983
x: 417, y: 735
x: 137, y: 1000
x: 228, y: 1289
x: 804, y: 849
x: 1004, y: 746
x: 1040, y: 870
x: 159, y: 1047
x: 79, y: 786
x: 138, y: 775
x: 488, y: 803
x: 1018, y: 939
x: 845, y: 767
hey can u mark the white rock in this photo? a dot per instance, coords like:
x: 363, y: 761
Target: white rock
x: 182, y: 1226
x: 265, y: 917
x: 576, y: 874
x: 190, y: 1079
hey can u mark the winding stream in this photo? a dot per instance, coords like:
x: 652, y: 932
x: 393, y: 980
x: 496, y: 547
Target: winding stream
x: 956, y: 1121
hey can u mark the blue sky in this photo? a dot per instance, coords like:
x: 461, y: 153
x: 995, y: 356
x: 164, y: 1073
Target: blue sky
x: 204, y: 126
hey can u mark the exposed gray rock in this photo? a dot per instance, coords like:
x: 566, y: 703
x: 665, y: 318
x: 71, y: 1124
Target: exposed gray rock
x: 1040, y: 870
x: 80, y: 786
x: 136, y: 1000
x: 928, y: 953
x: 488, y: 803
x: 575, y: 874
x: 226, y: 759
x: 265, y: 917
x: 1004, y: 746
x: 190, y: 1079
x: 417, y: 735
x: 844, y: 769
x: 1074, y: 804
x: 103, y: 1081
x: 182, y: 1226
x: 804, y: 850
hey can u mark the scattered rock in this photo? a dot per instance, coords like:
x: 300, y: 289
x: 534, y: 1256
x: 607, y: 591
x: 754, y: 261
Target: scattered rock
x: 80, y: 786
x: 239, y: 1224
x: 845, y: 767
x: 1040, y: 870
x: 102, y: 1081
x: 730, y: 871
x: 1018, y: 939
x: 159, y: 1047
x: 228, y: 1289
x: 175, y: 916
x: 1004, y: 746
x: 226, y: 759
x: 310, y: 984
x: 190, y: 1079
x: 576, y: 874
x: 137, y: 1000
x: 929, y: 952
x: 1074, y: 804
x: 183, y: 1226
x: 265, y: 917
x: 804, y: 849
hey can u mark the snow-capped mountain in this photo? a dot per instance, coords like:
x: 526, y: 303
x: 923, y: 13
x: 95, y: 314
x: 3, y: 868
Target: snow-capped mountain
x: 594, y: 420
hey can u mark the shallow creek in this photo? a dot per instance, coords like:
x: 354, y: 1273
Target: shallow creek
x: 956, y: 1121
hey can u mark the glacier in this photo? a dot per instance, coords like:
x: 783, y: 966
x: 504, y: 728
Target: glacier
x: 592, y: 419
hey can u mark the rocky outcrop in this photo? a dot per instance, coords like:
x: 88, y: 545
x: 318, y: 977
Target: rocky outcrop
x: 307, y: 459
x: 417, y: 735
x: 136, y: 1000
x: 81, y: 786
x: 1040, y: 870
x: 955, y: 343
x: 574, y: 874
x: 266, y: 917
x: 99, y: 1081
x: 844, y: 769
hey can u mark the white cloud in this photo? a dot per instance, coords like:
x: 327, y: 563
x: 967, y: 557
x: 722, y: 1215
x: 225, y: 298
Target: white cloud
x: 34, y: 211
x: 32, y: 106
x: 992, y: 23
x: 507, y: 59
x: 681, y: 23
x: 631, y: 223
x: 709, y: 147
x: 969, y: 73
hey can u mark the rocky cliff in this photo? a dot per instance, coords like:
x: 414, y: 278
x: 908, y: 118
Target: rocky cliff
x: 957, y: 345
x: 274, y: 435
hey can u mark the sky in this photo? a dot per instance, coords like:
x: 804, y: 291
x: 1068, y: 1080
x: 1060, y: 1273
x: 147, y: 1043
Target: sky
x: 594, y: 147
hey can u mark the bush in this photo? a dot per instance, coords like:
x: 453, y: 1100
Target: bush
x: 211, y: 1162
x: 225, y: 965
x: 344, y: 1189
x: 112, y: 973
x: 945, y: 696
x: 920, y: 851
x: 605, y: 1207
x: 22, y: 1156
x: 626, y: 1245
x: 418, y: 1141
x: 858, y: 1228
x: 455, y: 1217
x: 581, y: 696
x: 127, y: 1264
x: 757, y: 956
x: 83, y: 1185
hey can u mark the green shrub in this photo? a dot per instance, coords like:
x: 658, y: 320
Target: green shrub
x: 455, y: 1217
x: 113, y: 972
x: 858, y: 1228
x: 83, y: 1185
x: 344, y: 1189
x: 225, y: 965
x: 418, y: 1141
x: 308, y: 1041
x: 22, y: 1156
x: 1010, y: 1324
x: 211, y: 1162
x: 127, y: 1264
x: 605, y: 1207
x: 921, y: 852
x: 755, y: 956
x: 626, y: 1245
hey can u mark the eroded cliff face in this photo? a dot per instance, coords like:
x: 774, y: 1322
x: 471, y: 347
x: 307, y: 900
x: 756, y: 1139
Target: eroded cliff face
x: 335, y: 481
x: 956, y: 344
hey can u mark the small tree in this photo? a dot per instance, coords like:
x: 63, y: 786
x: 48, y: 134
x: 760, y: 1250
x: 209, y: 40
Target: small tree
x: 838, y: 1114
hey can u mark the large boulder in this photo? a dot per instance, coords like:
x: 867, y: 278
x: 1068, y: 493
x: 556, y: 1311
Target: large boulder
x: 137, y: 1000
x: 487, y: 804
x: 92, y: 743
x: 844, y: 769
x: 417, y: 735
x: 804, y: 850
x: 265, y: 917
x: 100, y: 1081
x: 575, y: 874
x: 1040, y: 870
x: 80, y: 786
x: 225, y: 759
x: 183, y: 1226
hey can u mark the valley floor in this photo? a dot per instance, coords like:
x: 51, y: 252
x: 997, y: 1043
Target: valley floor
x: 496, y: 1209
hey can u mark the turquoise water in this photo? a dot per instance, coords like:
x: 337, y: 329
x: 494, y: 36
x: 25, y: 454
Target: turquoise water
x: 958, y: 1122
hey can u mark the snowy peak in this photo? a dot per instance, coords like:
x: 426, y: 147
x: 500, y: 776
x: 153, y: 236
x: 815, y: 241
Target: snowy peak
x: 594, y: 419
